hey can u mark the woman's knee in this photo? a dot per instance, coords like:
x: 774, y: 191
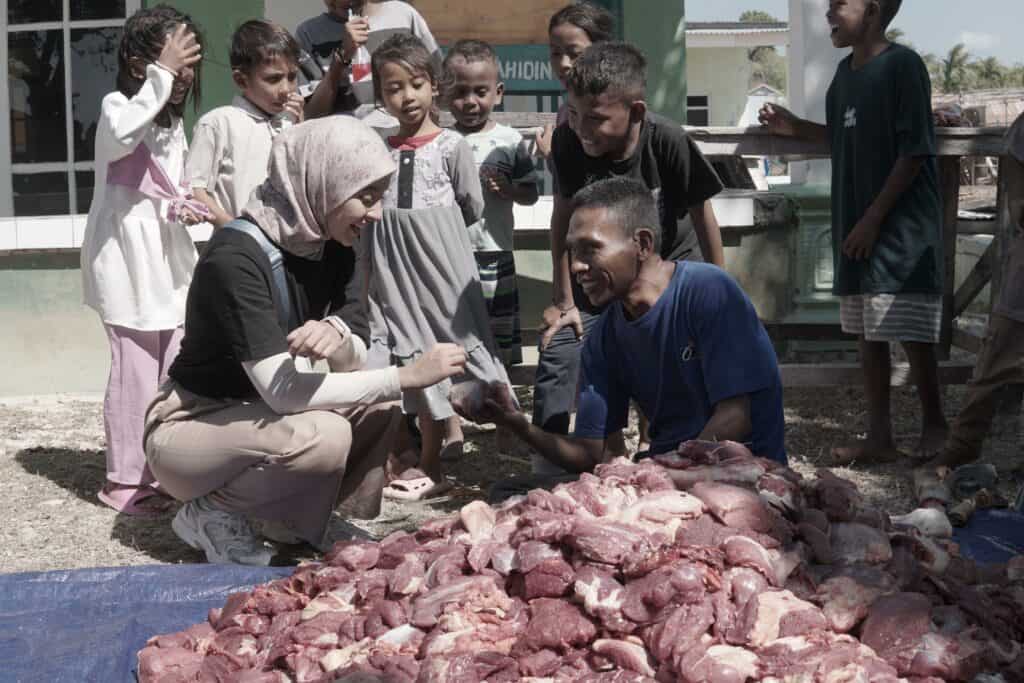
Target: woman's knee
x: 329, y: 451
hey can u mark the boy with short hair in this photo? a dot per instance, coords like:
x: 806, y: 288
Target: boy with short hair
x: 611, y: 133
x: 886, y: 215
x: 508, y: 177
x: 231, y: 144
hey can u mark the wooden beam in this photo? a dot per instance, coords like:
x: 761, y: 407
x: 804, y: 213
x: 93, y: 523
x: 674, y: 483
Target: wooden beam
x: 847, y: 374
x: 815, y: 374
x: 780, y: 331
x: 1009, y: 241
x: 963, y: 339
x: 975, y: 281
x: 949, y: 185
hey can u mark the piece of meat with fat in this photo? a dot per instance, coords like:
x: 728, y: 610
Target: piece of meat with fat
x: 852, y: 542
x: 781, y: 493
x: 741, y: 551
x: 734, y: 506
x: 195, y: 637
x: 681, y: 631
x: 555, y: 625
x: 602, y: 595
x: 662, y: 511
x: 846, y: 597
x: 479, y: 519
x: 541, y: 525
x: 838, y: 498
x: 743, y: 583
x: 738, y: 472
x: 427, y: 607
x: 777, y: 614
x: 625, y: 654
x: 357, y: 556
x: 609, y: 542
x: 531, y: 553
x: 646, y: 600
x: 408, y: 577
x: 723, y: 664
x: 823, y: 656
x: 161, y: 663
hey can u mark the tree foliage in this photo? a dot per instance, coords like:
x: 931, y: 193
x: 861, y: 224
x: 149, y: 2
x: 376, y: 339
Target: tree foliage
x: 768, y: 65
x: 954, y: 69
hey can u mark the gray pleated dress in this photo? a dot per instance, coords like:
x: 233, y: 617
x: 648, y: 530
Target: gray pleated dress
x: 423, y: 284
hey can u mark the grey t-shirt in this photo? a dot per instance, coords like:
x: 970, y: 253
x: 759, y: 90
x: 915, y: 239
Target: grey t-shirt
x: 320, y: 35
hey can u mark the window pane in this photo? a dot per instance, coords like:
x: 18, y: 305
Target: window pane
x: 84, y: 183
x: 40, y: 194
x: 97, y: 9
x: 93, y: 75
x: 35, y: 71
x: 697, y: 101
x: 697, y: 117
x: 28, y: 11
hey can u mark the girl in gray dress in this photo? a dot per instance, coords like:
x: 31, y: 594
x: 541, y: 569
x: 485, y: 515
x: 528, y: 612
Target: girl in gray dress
x: 423, y: 283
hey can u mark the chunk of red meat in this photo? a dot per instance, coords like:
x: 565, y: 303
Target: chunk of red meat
x: 860, y: 543
x: 626, y: 655
x: 895, y: 625
x: 408, y: 577
x: 556, y: 625
x: 550, y: 579
x: 681, y: 631
x: 645, y: 600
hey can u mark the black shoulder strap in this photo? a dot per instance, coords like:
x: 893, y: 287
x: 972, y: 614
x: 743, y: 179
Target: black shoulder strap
x: 285, y: 312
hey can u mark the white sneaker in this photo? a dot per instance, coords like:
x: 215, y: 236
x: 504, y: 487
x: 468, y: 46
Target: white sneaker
x: 225, y: 537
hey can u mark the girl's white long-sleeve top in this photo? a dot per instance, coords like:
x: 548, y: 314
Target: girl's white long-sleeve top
x: 136, y: 264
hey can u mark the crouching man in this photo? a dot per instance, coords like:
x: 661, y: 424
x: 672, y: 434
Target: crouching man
x: 680, y: 338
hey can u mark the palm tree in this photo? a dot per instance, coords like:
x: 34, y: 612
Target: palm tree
x: 991, y: 73
x: 954, y: 68
x: 895, y: 35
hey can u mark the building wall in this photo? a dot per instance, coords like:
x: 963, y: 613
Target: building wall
x: 723, y: 74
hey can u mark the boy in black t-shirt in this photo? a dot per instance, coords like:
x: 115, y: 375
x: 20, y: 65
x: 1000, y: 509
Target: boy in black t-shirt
x: 611, y: 133
x: 886, y: 215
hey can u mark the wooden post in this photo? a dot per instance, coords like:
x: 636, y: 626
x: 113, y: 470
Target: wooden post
x: 949, y: 185
x: 1009, y: 236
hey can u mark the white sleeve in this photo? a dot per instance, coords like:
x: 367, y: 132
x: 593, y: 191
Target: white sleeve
x: 352, y: 354
x: 129, y: 119
x: 287, y: 390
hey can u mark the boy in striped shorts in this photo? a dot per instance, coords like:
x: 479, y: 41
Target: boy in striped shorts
x: 508, y: 177
x: 886, y: 216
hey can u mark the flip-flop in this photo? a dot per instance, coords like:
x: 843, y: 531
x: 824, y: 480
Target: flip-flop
x: 130, y: 500
x: 415, y: 486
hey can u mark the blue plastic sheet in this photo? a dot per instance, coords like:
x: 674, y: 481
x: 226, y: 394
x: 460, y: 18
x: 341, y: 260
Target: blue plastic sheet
x: 992, y: 536
x: 88, y: 624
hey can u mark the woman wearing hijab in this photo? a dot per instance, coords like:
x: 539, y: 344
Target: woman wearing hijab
x: 244, y: 429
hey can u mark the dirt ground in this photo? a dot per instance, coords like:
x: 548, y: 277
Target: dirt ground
x: 52, y: 465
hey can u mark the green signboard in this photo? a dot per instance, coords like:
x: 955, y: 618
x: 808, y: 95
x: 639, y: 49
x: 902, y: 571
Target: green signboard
x: 526, y: 68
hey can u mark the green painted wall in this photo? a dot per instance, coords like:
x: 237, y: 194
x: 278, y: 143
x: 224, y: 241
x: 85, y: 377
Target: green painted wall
x: 659, y: 27
x: 217, y: 19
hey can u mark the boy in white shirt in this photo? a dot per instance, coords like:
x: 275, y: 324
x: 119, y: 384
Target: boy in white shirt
x: 231, y: 144
x: 508, y: 177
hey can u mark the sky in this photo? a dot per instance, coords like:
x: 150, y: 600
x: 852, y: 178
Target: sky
x: 989, y: 28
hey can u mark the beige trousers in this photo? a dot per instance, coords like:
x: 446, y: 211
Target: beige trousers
x: 1000, y: 362
x: 291, y: 468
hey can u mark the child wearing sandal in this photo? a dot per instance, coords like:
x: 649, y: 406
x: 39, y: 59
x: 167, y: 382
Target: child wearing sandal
x: 422, y: 281
x: 137, y: 257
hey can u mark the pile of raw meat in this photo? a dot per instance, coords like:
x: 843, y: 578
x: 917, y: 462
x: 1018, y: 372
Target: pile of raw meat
x: 707, y: 565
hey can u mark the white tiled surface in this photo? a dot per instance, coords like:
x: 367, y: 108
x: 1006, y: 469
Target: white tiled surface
x: 8, y: 234
x: 47, y: 232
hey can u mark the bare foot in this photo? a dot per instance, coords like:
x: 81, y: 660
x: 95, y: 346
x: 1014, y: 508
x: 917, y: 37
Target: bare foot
x: 864, y: 452
x: 933, y: 441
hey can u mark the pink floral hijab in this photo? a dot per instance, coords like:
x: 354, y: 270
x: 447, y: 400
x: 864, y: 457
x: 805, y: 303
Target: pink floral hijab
x: 315, y: 167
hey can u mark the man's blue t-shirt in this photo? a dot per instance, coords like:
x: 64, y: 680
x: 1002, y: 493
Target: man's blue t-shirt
x: 700, y: 343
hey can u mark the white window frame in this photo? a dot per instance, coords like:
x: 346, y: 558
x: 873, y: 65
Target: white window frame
x: 706, y: 108
x: 62, y: 230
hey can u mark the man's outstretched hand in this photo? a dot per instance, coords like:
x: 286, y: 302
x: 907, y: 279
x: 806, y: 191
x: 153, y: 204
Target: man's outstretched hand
x: 482, y: 403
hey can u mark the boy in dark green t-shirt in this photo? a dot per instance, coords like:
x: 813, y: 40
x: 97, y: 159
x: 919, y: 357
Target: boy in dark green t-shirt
x: 886, y: 214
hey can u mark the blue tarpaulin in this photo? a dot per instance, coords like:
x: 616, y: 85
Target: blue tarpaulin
x: 88, y: 624
x: 992, y: 536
